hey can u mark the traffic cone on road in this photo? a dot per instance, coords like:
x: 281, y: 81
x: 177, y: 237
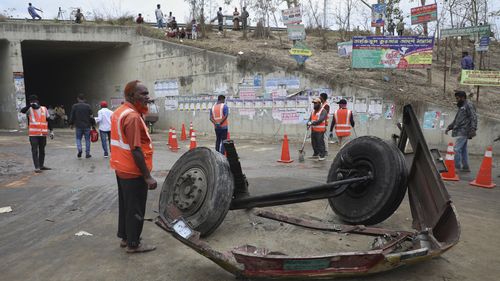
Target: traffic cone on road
x: 169, y: 137
x: 483, y: 178
x: 190, y: 128
x: 192, y: 145
x: 183, y: 133
x: 285, y: 151
x: 450, y: 165
x: 174, y: 146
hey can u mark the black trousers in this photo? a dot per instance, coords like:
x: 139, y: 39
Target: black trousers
x: 38, y: 150
x: 318, y: 143
x: 221, y: 135
x: 132, y: 196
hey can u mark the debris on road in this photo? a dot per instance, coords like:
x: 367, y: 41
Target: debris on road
x: 7, y: 209
x: 83, y: 233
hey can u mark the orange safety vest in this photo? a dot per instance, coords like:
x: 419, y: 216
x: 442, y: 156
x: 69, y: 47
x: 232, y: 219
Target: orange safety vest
x: 38, y: 125
x: 327, y: 112
x: 218, y: 114
x: 321, y: 127
x: 342, y: 122
x: 121, y: 153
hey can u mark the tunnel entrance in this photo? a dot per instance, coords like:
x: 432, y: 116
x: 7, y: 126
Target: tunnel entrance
x: 58, y: 71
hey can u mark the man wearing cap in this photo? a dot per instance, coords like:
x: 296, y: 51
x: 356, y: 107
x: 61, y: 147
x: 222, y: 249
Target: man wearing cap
x: 218, y: 116
x: 317, y: 124
x: 104, y: 120
x: 342, y: 121
x: 38, y: 129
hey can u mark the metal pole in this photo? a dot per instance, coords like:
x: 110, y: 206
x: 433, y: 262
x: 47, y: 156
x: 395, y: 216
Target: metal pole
x: 445, y: 65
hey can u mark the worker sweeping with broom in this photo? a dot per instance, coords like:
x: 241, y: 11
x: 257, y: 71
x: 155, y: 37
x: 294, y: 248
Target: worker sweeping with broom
x: 317, y: 124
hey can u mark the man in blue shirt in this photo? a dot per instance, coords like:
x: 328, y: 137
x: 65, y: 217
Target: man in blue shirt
x: 218, y: 116
x: 467, y: 61
x: 32, y: 10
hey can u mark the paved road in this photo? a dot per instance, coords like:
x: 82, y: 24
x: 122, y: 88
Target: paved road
x: 38, y: 242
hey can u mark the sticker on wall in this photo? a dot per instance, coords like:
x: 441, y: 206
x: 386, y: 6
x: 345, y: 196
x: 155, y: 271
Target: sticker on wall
x: 164, y: 88
x: 431, y: 119
x: 389, y: 111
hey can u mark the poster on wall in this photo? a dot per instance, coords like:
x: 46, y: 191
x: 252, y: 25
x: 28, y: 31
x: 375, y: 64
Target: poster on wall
x: 360, y: 105
x: 171, y: 103
x: 20, y: 94
x: 402, y: 52
x: 431, y: 119
x: 344, y: 49
x: 164, y: 88
x: 290, y: 82
x: 375, y: 107
x: 247, y: 93
x: 290, y: 117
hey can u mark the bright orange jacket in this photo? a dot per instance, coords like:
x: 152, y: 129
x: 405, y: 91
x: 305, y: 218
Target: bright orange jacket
x: 342, y: 122
x: 38, y: 125
x: 218, y: 114
x: 321, y: 127
x: 327, y: 111
x: 121, y: 153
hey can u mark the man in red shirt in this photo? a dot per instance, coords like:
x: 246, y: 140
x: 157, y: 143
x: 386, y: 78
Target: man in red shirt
x: 132, y: 159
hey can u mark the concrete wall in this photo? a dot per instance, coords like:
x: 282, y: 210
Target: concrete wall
x: 103, y: 73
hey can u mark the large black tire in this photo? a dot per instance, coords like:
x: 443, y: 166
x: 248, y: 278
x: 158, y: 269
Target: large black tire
x: 200, y: 185
x: 374, y: 201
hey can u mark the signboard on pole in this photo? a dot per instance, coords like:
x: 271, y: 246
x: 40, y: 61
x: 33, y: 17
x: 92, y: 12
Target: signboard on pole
x: 378, y: 15
x: 300, y: 52
x: 292, y: 15
x: 402, y: 52
x: 484, y: 42
x: 344, y: 49
x: 296, y: 31
x: 480, y: 78
x: 424, y: 14
x: 466, y: 31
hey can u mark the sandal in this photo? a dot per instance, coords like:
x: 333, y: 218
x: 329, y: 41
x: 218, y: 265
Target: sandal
x: 142, y: 248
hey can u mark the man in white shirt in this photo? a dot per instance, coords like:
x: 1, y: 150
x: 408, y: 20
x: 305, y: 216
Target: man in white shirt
x: 159, y: 17
x: 104, y: 120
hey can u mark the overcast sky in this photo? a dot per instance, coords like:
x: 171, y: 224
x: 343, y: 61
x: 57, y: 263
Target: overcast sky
x: 180, y: 9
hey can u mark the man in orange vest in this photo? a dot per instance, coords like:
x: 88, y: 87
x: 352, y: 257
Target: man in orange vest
x: 132, y: 160
x: 343, y: 121
x: 326, y: 106
x: 38, y: 129
x: 317, y: 124
x: 218, y: 116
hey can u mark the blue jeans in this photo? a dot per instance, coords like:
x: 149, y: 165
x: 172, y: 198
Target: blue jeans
x: 221, y: 135
x: 80, y: 132
x: 159, y: 23
x: 461, y: 157
x: 105, y: 141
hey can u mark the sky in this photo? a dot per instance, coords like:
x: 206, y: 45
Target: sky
x: 179, y: 8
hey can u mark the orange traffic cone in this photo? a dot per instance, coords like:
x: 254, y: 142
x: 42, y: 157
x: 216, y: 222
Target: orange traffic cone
x: 192, y: 145
x: 483, y: 178
x: 169, y: 137
x: 450, y: 165
x: 190, y: 128
x: 285, y: 152
x: 174, y: 146
x: 183, y: 133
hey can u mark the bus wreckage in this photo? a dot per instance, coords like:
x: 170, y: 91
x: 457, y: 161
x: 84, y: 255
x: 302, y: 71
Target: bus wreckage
x: 366, y: 183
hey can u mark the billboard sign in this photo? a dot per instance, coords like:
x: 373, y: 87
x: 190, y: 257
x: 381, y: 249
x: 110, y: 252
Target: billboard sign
x: 404, y: 52
x: 344, y: 49
x: 291, y: 16
x: 296, y: 31
x: 466, y: 31
x: 424, y: 14
x: 378, y: 15
x: 480, y: 78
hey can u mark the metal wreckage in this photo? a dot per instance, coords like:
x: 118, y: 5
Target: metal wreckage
x: 366, y: 183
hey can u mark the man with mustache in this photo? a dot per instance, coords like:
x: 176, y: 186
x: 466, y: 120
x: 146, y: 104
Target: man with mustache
x: 132, y: 159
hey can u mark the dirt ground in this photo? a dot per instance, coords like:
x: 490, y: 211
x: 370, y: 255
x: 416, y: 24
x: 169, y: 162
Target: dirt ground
x: 38, y: 242
x: 325, y: 65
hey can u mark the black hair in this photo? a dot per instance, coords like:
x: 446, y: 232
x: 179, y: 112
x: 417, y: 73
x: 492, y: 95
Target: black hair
x: 81, y: 96
x: 460, y: 94
x: 324, y: 96
x: 221, y: 98
x: 32, y: 98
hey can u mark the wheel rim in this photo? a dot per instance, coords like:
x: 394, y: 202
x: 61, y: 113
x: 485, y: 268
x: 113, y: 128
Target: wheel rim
x: 190, y: 190
x: 360, y: 167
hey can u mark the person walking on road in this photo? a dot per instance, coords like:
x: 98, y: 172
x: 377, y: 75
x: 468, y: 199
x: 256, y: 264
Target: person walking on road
x: 32, y: 11
x: 342, y: 121
x: 326, y: 106
x: 463, y: 127
x: 218, y: 116
x: 132, y: 160
x: 104, y: 120
x: 317, y: 124
x: 81, y: 117
x: 38, y: 129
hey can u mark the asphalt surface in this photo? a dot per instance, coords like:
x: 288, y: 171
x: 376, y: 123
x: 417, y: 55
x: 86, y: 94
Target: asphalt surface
x: 38, y: 241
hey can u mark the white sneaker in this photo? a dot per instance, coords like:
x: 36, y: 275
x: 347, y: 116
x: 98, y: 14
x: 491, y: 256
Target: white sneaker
x: 321, y: 158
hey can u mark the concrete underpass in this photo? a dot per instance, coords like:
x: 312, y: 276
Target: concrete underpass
x: 57, y: 71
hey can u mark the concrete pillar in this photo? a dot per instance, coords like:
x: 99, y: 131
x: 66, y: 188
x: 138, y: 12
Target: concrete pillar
x: 12, y: 94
